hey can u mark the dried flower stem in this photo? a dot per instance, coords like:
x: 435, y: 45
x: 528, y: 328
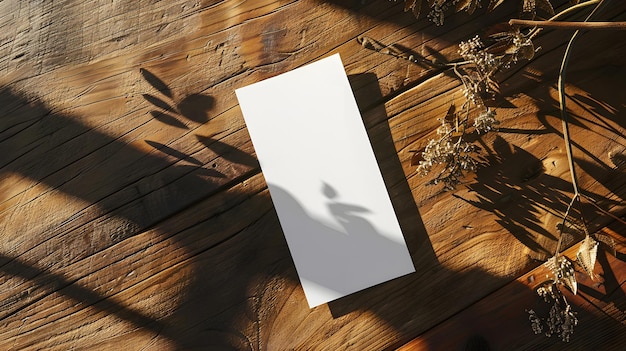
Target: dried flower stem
x: 576, y: 7
x: 569, y: 25
x: 565, y: 123
x: 569, y: 207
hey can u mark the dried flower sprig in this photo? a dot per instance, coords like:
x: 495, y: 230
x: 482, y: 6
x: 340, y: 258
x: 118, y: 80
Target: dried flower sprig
x: 486, y: 121
x: 451, y: 150
x: 562, y: 271
x: 482, y: 63
x: 476, y: 71
x: 561, y: 319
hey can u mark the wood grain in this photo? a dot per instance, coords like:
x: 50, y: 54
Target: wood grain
x: 133, y: 213
x: 497, y: 322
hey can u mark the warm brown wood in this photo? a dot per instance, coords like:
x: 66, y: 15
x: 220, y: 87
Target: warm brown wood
x: 134, y: 215
x: 500, y: 321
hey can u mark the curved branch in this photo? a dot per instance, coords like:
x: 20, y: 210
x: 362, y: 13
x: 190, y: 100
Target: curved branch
x: 569, y: 25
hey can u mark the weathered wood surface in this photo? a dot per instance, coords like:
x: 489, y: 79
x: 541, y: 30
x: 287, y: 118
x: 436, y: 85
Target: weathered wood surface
x: 497, y: 322
x: 134, y: 214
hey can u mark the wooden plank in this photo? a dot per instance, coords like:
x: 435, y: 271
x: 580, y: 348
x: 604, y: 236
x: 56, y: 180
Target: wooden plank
x: 499, y: 321
x: 108, y: 284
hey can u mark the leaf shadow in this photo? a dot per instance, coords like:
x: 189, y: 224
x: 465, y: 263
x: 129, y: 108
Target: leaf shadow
x: 158, y: 102
x: 168, y: 119
x: 196, y: 107
x: 156, y: 82
x: 228, y: 152
x: 173, y: 152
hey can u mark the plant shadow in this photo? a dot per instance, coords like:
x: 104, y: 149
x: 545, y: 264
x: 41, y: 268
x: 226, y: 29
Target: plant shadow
x: 527, y: 202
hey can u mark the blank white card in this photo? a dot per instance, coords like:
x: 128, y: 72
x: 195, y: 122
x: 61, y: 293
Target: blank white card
x: 324, y: 181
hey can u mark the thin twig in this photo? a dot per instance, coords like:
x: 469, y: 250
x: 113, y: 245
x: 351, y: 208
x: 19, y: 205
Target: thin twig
x: 569, y: 25
x: 565, y: 121
x: 536, y: 31
x: 558, y: 244
x: 564, y: 114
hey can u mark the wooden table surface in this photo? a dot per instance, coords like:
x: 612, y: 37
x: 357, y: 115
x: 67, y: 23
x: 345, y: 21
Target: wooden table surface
x: 134, y: 214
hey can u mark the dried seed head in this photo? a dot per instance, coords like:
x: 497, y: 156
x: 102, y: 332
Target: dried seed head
x: 562, y: 271
x: 486, y: 121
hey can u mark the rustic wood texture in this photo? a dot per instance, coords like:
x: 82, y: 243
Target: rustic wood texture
x: 134, y: 214
x: 498, y: 322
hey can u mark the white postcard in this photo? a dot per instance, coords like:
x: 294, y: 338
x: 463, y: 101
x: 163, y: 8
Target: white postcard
x: 324, y: 181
